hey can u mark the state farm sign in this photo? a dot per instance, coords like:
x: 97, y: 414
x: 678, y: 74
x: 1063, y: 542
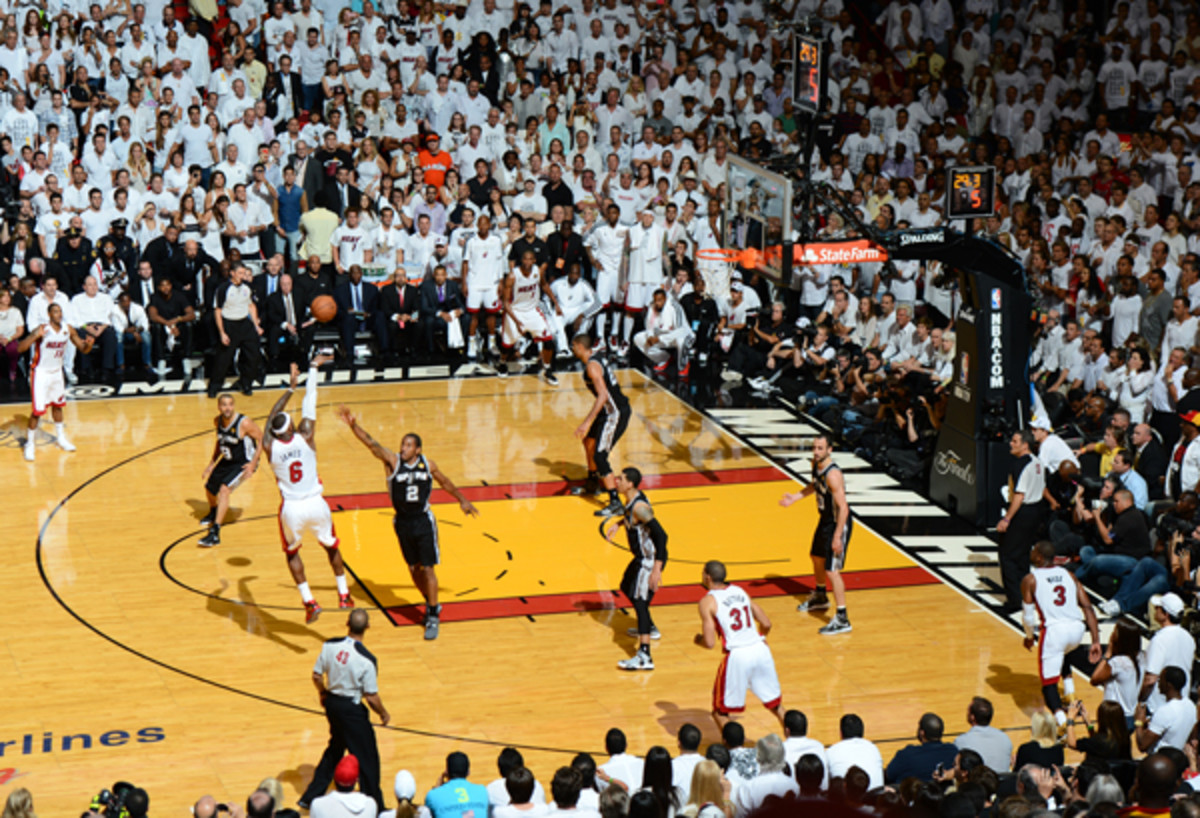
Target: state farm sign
x: 860, y: 251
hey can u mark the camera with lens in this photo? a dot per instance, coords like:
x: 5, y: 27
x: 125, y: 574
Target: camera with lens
x: 1168, y: 525
x: 111, y: 802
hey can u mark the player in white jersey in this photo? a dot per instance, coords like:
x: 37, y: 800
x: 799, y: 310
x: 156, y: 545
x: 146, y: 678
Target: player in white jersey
x: 645, y: 270
x: 483, y: 268
x: 606, y: 248
x: 1055, y: 599
x: 292, y: 453
x: 728, y: 612
x: 46, y: 384
x: 522, y: 293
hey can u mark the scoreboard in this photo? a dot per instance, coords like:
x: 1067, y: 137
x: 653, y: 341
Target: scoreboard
x: 970, y: 193
x: 809, y: 63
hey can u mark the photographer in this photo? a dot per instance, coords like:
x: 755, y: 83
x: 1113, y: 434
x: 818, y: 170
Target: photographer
x: 765, y: 332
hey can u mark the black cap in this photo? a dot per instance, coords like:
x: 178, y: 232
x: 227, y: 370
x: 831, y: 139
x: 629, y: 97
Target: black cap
x: 74, y: 232
x: 119, y: 224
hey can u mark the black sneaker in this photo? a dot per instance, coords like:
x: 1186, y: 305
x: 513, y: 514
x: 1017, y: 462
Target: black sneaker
x: 614, y: 509
x: 213, y: 537
x: 247, y: 389
x: 839, y: 624
x: 591, y: 487
x: 502, y: 369
x: 209, y: 518
x: 816, y: 602
x: 549, y: 377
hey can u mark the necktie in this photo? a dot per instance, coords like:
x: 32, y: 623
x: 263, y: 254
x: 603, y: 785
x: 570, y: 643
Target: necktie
x: 291, y: 313
x: 146, y: 291
x: 358, y: 298
x: 441, y: 294
x: 400, y: 290
x: 345, y: 197
x: 271, y: 280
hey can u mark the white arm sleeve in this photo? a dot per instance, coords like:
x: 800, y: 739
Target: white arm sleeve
x: 308, y: 410
x: 1029, y: 618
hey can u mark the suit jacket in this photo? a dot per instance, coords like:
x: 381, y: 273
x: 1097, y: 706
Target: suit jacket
x: 489, y: 84
x: 161, y: 256
x: 183, y: 272
x: 259, y: 286
x: 370, y: 297
x: 335, y: 196
x: 135, y: 290
x: 282, y: 81
x: 277, y: 312
x: 389, y: 300
x: 313, y: 178
x: 1151, y: 463
x: 429, y: 301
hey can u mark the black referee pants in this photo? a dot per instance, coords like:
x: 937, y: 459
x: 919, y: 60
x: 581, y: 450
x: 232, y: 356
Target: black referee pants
x: 242, y: 336
x: 1024, y: 530
x: 350, y: 731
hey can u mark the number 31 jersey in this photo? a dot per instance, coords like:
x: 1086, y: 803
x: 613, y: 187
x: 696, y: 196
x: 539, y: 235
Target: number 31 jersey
x: 1055, y: 595
x: 735, y: 621
x: 295, y: 465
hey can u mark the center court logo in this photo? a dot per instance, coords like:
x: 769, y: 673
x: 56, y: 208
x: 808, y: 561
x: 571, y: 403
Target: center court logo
x: 91, y: 391
x: 949, y: 463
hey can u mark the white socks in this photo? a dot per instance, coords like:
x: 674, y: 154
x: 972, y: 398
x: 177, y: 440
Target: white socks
x: 305, y: 593
x: 601, y: 319
x: 343, y: 588
x: 58, y: 429
x: 1068, y: 685
x: 628, y: 334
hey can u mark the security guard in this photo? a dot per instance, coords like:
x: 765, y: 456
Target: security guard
x: 345, y: 674
x: 73, y: 260
x: 127, y: 249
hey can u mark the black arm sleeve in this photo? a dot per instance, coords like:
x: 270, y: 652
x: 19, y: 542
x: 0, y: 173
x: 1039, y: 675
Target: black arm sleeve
x: 659, y: 537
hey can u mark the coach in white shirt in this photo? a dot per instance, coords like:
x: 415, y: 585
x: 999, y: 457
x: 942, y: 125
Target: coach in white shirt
x: 855, y: 751
x: 771, y: 778
x: 796, y: 743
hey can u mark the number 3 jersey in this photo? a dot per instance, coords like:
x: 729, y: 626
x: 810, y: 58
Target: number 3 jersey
x: 735, y: 621
x: 295, y: 465
x: 1055, y: 596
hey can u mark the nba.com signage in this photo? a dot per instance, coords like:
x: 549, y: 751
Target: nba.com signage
x: 947, y: 463
x: 996, y: 343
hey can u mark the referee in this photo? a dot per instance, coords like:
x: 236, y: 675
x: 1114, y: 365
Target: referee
x: 1023, y: 519
x: 238, y: 328
x: 351, y: 673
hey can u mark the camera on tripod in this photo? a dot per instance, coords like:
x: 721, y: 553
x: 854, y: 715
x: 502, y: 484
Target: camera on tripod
x: 110, y: 802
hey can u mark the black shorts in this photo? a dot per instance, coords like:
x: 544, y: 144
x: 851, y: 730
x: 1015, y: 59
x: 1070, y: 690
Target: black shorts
x: 418, y: 539
x: 635, y: 584
x: 822, y: 544
x: 606, y: 430
x: 225, y: 474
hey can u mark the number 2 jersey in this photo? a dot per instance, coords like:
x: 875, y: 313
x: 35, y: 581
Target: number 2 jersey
x: 295, y: 465
x: 410, y: 486
x: 1055, y: 596
x: 735, y: 620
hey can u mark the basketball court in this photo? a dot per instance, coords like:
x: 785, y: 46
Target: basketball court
x: 129, y: 653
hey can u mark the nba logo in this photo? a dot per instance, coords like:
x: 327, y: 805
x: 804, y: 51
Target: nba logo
x: 995, y: 298
x: 964, y: 369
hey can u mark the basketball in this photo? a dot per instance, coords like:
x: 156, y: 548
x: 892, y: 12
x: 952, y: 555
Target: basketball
x: 324, y: 308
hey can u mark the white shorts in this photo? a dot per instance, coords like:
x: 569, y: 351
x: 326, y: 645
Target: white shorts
x: 606, y: 287
x: 1057, y: 641
x: 484, y: 297
x: 297, y: 516
x: 638, y: 296
x: 47, y: 389
x: 533, y: 322
x: 750, y: 667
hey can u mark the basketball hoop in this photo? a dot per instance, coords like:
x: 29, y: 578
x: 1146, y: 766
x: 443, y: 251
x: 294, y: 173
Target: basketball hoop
x: 748, y: 257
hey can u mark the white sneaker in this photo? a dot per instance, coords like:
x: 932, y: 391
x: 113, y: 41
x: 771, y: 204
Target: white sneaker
x: 654, y: 634
x: 758, y: 384
x: 493, y: 347
x: 639, y: 661
x: 29, y: 449
x: 187, y: 368
x: 624, y: 353
x: 71, y: 379
x: 1110, y: 607
x: 65, y: 444
x: 599, y: 346
x: 473, y: 348
x: 731, y: 375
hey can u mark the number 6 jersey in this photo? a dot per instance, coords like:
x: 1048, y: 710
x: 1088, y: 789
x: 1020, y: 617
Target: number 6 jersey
x: 1055, y: 596
x: 295, y: 465
x: 735, y: 620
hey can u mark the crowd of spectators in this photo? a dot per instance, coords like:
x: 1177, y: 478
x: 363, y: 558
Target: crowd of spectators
x: 979, y: 773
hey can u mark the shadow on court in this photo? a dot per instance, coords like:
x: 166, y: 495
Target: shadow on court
x: 200, y: 508
x: 260, y: 622
x: 672, y: 717
x: 1024, y: 688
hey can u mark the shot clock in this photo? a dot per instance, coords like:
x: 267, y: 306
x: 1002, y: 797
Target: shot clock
x: 971, y: 193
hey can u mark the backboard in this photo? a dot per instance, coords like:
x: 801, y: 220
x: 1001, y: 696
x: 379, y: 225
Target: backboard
x: 758, y: 211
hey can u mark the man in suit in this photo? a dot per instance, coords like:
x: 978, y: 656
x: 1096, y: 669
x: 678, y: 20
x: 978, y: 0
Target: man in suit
x: 161, y: 252
x: 441, y: 303
x: 143, y: 286
x: 489, y: 79
x: 400, y: 306
x: 290, y: 326
x: 1149, y: 459
x: 344, y: 195
x: 309, y: 173
x: 288, y: 81
x: 267, y: 284
x: 358, y: 309
x: 190, y: 268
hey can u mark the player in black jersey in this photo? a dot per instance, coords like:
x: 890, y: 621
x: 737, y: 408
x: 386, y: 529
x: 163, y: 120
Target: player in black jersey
x: 603, y: 426
x: 832, y: 537
x: 648, y: 542
x: 410, y: 482
x: 235, y: 458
